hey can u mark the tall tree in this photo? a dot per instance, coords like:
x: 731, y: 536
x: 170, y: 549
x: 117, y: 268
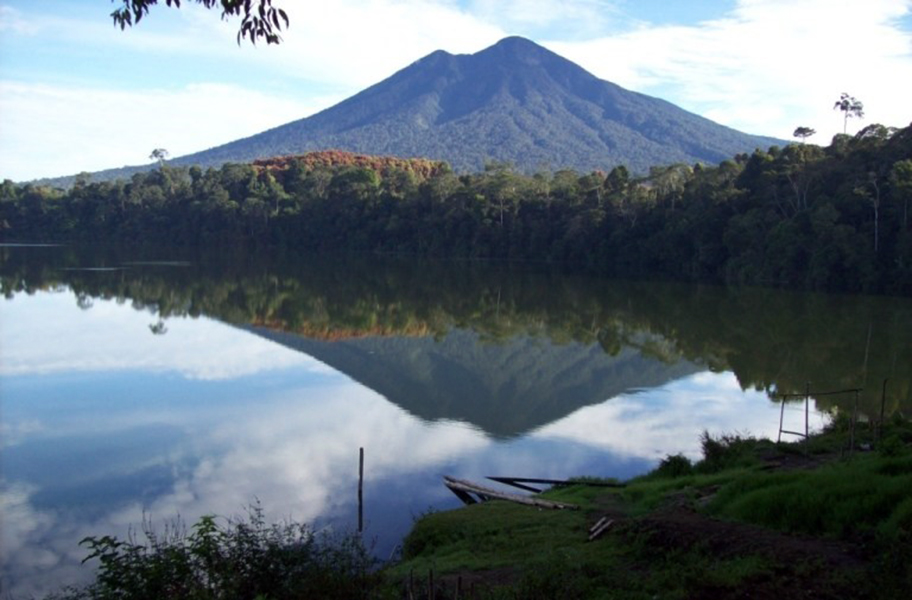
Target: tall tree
x: 901, y: 179
x: 803, y: 133
x: 160, y: 155
x: 850, y: 106
x: 262, y: 23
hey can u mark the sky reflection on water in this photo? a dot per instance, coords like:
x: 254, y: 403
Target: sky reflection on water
x: 104, y: 423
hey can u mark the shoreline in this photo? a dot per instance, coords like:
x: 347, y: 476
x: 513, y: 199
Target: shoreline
x: 753, y: 518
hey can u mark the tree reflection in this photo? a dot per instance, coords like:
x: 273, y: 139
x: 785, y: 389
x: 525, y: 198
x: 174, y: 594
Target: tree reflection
x: 772, y: 340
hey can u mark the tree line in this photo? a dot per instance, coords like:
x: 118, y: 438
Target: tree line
x: 802, y: 216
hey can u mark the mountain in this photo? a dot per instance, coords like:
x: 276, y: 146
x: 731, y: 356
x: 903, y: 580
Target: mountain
x: 506, y: 388
x: 514, y: 101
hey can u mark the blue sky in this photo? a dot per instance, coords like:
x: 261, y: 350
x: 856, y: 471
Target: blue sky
x: 77, y: 94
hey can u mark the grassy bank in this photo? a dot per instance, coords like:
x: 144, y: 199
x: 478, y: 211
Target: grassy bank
x: 751, y: 519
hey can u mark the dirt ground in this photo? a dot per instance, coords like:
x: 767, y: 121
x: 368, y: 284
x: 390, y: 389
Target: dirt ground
x: 801, y: 567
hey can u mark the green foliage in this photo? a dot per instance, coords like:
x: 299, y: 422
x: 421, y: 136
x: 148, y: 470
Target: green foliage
x: 261, y: 23
x: 676, y: 465
x: 237, y: 559
x: 890, y: 446
x: 727, y: 451
x: 850, y: 106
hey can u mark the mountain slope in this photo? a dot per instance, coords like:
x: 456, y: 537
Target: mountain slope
x: 505, y: 389
x: 514, y: 101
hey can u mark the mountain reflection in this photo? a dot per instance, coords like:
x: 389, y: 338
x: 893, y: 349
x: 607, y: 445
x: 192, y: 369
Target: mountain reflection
x: 506, y: 388
x: 495, y: 326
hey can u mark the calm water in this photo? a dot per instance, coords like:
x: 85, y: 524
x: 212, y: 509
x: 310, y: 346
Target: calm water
x: 158, y: 384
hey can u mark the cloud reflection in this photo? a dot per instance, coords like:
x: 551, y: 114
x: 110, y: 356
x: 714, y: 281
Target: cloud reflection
x: 669, y: 420
x: 113, y: 337
x: 295, y: 449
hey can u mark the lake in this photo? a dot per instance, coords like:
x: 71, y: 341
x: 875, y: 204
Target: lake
x: 154, y: 384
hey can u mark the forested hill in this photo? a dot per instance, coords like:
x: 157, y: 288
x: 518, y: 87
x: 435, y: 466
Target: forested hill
x: 834, y: 218
x: 514, y: 101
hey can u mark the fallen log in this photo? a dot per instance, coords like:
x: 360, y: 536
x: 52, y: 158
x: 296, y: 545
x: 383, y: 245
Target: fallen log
x: 460, y: 487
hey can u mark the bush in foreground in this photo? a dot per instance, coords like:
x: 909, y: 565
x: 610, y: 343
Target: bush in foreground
x: 237, y: 559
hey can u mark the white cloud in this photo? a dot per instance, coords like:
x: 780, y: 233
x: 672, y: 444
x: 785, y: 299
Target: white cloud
x: 570, y: 19
x: 12, y: 21
x: 62, y: 130
x: 360, y: 42
x: 769, y: 65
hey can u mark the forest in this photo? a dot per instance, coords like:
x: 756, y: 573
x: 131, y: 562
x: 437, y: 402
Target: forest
x: 832, y: 218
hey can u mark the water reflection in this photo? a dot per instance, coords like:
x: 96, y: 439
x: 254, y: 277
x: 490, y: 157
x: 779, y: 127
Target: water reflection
x: 269, y: 378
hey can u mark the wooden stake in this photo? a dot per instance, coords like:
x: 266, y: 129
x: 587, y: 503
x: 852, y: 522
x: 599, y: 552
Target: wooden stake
x: 600, y: 528
x: 807, y: 401
x: 361, y: 491
x: 781, y: 417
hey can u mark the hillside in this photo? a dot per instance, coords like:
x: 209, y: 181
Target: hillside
x: 514, y: 101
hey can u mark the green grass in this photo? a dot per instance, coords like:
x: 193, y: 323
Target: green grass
x: 491, y: 534
x: 868, y: 494
x: 864, y: 496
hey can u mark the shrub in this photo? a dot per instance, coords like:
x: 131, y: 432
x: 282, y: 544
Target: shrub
x: 890, y: 446
x: 676, y: 465
x: 240, y: 559
x: 725, y: 452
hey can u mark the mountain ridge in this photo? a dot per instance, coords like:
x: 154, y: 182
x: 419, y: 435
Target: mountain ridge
x: 514, y: 102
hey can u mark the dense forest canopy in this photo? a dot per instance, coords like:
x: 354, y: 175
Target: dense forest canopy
x: 803, y: 216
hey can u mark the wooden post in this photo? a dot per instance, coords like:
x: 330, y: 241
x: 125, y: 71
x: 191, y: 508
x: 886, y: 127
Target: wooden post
x: 361, y: 491
x: 781, y: 417
x: 807, y: 401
